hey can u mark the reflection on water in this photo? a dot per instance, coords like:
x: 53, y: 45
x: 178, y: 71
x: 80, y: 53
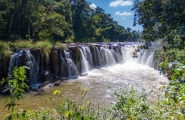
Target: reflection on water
x: 100, y: 84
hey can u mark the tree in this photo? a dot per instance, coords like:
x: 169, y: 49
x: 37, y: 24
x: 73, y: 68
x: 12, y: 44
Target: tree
x: 161, y: 19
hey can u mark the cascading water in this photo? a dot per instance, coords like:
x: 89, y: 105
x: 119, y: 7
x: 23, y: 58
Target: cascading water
x: 24, y: 57
x: 107, y: 57
x: 12, y: 63
x: 100, y: 82
x: 88, y: 56
x: 32, y: 65
x: 97, y: 57
x: 84, y: 64
x: 150, y: 60
x: 146, y: 56
x: 63, y: 71
x: 103, y: 56
x: 72, y: 70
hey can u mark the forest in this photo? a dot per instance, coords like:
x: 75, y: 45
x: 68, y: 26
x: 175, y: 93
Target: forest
x: 163, y: 21
x: 59, y: 20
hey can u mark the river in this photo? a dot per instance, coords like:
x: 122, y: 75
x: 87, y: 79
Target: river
x: 100, y: 84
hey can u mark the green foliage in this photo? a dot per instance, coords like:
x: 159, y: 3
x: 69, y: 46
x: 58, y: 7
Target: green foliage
x: 134, y: 106
x: 60, y: 45
x: 5, y: 51
x: 45, y: 46
x: 59, y: 20
x: 69, y: 110
x: 16, y: 86
x: 22, y: 44
x: 130, y: 106
x: 159, y: 22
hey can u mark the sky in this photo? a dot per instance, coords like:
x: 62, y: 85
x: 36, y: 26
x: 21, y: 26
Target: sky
x: 120, y: 11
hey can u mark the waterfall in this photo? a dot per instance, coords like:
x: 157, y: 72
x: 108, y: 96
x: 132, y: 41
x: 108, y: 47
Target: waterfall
x: 97, y: 57
x: 103, y: 56
x: 119, y: 54
x: 72, y: 70
x: 150, y: 59
x: 110, y: 58
x: 85, y: 58
x: 22, y: 58
x: 127, y: 53
x: 63, y: 71
x: 144, y: 56
x: 88, y: 56
x: 12, y: 63
x: 84, y: 64
x: 32, y: 65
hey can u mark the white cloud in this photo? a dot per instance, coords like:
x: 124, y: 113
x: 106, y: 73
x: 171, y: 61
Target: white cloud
x: 92, y: 6
x: 120, y: 3
x: 118, y: 13
x: 123, y: 18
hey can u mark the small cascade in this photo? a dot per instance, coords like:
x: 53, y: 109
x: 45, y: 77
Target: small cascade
x: 88, y: 56
x: 72, y: 70
x: 32, y: 65
x: 115, y: 55
x: 12, y: 63
x: 97, y: 57
x: 140, y: 56
x: 150, y: 60
x: 127, y: 53
x: 23, y: 58
x: 104, y: 56
x: 110, y: 58
x: 63, y: 71
x: 144, y: 56
x: 84, y: 64
x: 119, y: 53
x: 122, y: 54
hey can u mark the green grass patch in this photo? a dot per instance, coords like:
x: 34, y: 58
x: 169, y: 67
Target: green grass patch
x: 45, y: 46
x: 23, y: 44
x: 60, y: 45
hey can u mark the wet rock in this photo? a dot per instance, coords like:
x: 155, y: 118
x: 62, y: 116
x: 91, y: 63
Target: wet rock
x: 46, y: 83
x: 54, y: 62
x: 57, y: 83
x: 46, y: 76
x: 37, y: 91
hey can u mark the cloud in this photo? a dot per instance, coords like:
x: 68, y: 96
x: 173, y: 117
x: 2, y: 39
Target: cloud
x: 118, y: 13
x: 123, y: 18
x: 120, y: 3
x: 92, y: 6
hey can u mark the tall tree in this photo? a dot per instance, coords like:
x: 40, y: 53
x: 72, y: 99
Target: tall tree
x: 162, y: 19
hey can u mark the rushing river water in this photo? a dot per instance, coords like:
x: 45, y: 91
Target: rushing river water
x: 100, y: 84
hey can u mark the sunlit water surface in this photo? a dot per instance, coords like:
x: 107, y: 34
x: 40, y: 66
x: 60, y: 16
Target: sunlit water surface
x: 100, y: 84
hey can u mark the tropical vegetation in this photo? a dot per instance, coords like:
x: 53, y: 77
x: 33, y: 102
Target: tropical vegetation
x: 59, y: 20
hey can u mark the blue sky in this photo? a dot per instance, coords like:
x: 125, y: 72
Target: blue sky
x: 120, y: 11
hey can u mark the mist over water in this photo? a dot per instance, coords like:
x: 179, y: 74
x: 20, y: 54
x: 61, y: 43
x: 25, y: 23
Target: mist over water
x: 103, y: 81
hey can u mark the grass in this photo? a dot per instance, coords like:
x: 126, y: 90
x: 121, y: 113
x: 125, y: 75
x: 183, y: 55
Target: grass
x: 60, y: 45
x: 5, y: 51
x: 23, y: 44
x: 45, y: 46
